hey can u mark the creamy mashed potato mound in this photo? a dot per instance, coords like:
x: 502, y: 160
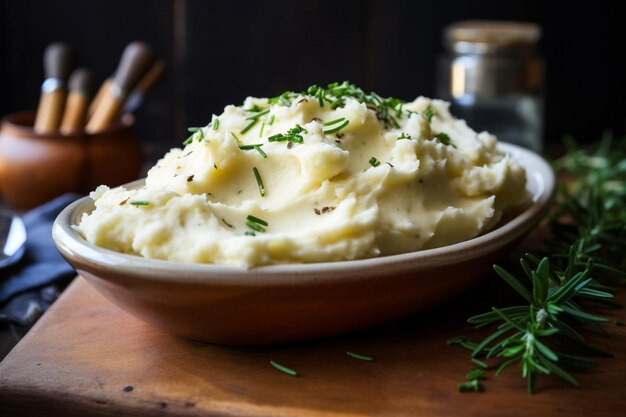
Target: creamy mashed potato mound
x: 289, y: 181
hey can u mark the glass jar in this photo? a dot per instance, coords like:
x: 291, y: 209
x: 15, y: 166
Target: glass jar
x: 494, y: 80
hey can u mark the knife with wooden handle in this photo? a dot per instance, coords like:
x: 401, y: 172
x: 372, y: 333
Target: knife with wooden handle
x: 136, y: 61
x: 103, y: 91
x: 58, y: 62
x: 147, y: 82
x: 80, y: 89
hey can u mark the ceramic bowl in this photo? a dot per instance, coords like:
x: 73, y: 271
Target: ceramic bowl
x: 286, y: 303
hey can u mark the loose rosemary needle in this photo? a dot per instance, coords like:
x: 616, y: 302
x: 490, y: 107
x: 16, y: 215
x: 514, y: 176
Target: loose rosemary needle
x: 284, y: 369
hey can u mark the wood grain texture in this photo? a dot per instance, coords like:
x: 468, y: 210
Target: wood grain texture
x: 82, y: 354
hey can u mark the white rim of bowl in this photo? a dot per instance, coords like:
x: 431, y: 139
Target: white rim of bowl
x: 73, y: 246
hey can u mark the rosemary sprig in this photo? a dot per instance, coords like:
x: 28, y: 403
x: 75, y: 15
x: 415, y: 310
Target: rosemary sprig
x: 544, y: 335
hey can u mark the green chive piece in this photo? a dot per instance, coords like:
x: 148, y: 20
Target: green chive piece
x: 469, y: 386
x: 254, y: 108
x: 261, y: 131
x: 284, y: 101
x: 337, y: 128
x: 249, y: 126
x: 249, y: 147
x: 255, y: 226
x: 428, y: 114
x: 260, y: 151
x: 357, y: 356
x: 374, y: 162
x: 259, y: 181
x: 475, y: 374
x: 284, y: 369
x: 271, y: 122
x: 403, y: 136
x: 256, y: 220
x: 259, y: 114
x: 215, y: 122
x: 188, y: 140
x: 444, y: 139
x: 332, y: 122
x: 249, y: 233
x: 236, y: 138
x: 140, y: 203
x: 193, y: 129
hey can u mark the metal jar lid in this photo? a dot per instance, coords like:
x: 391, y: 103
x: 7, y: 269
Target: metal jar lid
x: 485, y: 36
x: 493, y: 58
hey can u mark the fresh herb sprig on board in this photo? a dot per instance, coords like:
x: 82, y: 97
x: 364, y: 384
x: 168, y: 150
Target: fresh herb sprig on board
x: 544, y: 335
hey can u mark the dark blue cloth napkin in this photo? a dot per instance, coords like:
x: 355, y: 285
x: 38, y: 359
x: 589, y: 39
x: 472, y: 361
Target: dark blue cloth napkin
x: 40, y: 267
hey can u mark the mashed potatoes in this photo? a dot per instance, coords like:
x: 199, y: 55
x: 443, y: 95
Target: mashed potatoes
x: 326, y: 175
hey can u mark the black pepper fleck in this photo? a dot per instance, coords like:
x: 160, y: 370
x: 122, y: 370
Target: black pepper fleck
x: 317, y: 211
x: 289, y: 145
x: 190, y: 178
x: 128, y: 388
x: 163, y: 405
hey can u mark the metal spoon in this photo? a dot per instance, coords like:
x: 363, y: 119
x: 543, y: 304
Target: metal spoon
x: 12, y: 238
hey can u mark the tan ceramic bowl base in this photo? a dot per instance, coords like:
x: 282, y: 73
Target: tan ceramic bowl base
x: 287, y: 303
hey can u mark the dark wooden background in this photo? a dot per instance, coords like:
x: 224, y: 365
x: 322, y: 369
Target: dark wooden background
x: 220, y: 51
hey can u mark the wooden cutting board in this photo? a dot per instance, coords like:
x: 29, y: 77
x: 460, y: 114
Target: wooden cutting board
x: 86, y: 357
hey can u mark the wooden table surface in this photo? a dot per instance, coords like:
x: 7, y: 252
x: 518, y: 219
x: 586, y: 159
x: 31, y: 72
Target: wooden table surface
x: 85, y: 354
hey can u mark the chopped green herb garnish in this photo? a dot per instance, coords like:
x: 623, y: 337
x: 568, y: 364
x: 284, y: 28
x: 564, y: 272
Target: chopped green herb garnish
x: 357, y: 356
x: 336, y: 93
x: 475, y: 374
x: 444, y: 139
x: 256, y: 220
x: 336, y: 128
x: 249, y: 126
x: 403, y: 136
x: 193, y: 129
x: 188, y: 140
x: 374, y: 162
x: 259, y: 114
x: 260, y: 151
x: 255, y: 226
x: 469, y: 386
x: 256, y: 147
x: 249, y: 233
x: 140, y: 203
x: 284, y: 369
x: 284, y: 101
x: 261, y: 131
x: 292, y: 135
x: 249, y: 147
x: 332, y: 122
x: 271, y: 121
x: 255, y: 108
x: 236, y: 138
x: 259, y: 181
x: 428, y: 114
x: 215, y: 122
